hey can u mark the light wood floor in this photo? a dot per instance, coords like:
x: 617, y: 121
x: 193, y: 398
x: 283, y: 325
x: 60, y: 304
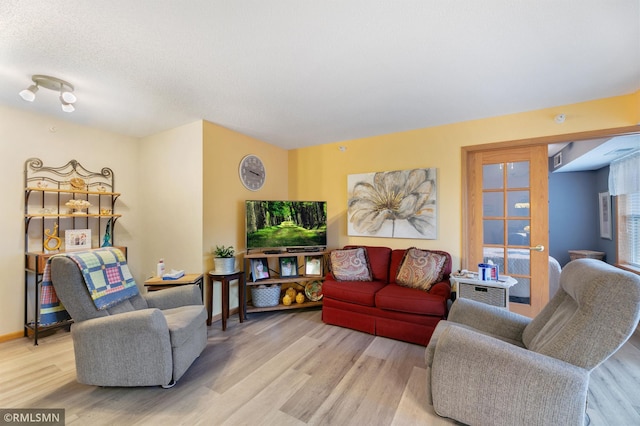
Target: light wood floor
x: 285, y: 368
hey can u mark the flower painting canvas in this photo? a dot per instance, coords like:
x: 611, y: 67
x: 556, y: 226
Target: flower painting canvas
x: 396, y: 204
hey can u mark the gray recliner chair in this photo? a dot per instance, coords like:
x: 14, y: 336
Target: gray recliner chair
x: 489, y: 366
x: 145, y: 340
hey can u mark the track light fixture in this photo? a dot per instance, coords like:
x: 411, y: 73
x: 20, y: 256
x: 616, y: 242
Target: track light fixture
x: 67, y: 98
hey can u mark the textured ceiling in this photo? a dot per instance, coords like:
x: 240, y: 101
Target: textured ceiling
x: 300, y: 72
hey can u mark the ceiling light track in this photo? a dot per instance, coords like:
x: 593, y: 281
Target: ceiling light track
x: 67, y: 97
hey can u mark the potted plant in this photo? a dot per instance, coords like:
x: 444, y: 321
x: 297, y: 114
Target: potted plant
x: 224, y: 260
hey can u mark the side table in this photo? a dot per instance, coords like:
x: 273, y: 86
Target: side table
x: 494, y: 293
x: 157, y: 283
x: 225, y: 279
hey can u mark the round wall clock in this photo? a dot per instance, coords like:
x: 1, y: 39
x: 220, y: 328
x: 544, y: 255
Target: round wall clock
x: 252, y: 172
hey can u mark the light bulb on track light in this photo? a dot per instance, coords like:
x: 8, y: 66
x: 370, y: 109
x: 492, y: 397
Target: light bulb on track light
x: 68, y: 97
x: 66, y: 107
x: 29, y: 94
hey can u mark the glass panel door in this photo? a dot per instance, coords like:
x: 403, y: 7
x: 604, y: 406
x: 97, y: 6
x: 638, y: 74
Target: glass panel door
x: 508, y: 214
x: 506, y: 224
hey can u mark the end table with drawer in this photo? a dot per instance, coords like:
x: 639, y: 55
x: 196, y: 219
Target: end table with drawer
x: 493, y: 292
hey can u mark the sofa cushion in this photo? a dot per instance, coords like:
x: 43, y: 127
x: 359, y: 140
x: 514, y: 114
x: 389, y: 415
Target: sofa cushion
x: 350, y: 265
x: 394, y: 297
x: 358, y: 292
x: 420, y: 269
x: 379, y: 258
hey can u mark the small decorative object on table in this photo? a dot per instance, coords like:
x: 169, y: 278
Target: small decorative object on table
x: 51, y: 236
x: 224, y: 260
x: 78, y: 205
x: 313, y: 290
x: 289, y: 266
x: 313, y: 266
x: 259, y: 269
x: 266, y: 295
x: 77, y: 239
x: 106, y: 241
x: 76, y: 183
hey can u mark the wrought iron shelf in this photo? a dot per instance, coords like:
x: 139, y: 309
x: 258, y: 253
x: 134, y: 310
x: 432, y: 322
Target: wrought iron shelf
x: 71, y: 215
x: 72, y: 191
x: 47, y: 189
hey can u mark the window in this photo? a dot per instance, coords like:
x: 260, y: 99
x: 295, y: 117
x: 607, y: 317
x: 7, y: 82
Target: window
x: 629, y: 230
x: 624, y: 182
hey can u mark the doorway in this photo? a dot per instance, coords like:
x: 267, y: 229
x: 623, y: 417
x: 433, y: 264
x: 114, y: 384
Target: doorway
x: 496, y: 214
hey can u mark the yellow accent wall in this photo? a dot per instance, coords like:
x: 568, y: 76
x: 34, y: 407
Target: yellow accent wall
x: 320, y: 172
x: 181, y: 194
x: 223, y: 195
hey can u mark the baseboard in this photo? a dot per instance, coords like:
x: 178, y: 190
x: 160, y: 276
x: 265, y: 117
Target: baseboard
x: 11, y: 336
x: 218, y: 317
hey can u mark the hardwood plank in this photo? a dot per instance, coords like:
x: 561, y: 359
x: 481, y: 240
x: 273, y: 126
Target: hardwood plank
x: 282, y: 368
x: 412, y: 409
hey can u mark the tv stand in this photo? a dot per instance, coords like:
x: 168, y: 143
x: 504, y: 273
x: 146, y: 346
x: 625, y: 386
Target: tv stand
x: 305, y: 249
x: 302, y: 278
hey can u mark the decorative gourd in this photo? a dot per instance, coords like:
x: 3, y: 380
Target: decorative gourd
x: 291, y: 292
x: 300, y: 298
x: 286, y: 300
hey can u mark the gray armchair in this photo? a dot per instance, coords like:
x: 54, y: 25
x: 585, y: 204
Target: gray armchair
x: 488, y: 366
x: 141, y: 341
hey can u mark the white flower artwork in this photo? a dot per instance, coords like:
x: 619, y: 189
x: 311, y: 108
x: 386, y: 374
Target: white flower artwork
x: 395, y: 204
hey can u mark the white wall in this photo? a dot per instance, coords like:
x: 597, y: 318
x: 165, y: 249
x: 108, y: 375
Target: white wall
x: 170, y: 191
x: 24, y: 135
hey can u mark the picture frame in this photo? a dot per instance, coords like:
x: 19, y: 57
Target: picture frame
x: 604, y: 202
x: 288, y: 266
x: 313, y: 266
x: 77, y: 239
x: 259, y: 269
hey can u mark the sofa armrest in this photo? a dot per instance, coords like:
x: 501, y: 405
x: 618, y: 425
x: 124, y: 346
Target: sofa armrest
x: 174, y: 297
x: 476, y: 379
x: 442, y: 288
x: 329, y: 276
x: 127, y: 349
x: 488, y: 318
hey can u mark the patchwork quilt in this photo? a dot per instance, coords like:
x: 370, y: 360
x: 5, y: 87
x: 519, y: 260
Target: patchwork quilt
x: 105, y: 274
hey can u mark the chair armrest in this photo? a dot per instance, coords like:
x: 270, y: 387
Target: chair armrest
x: 127, y: 349
x: 488, y: 318
x: 174, y: 297
x: 477, y: 379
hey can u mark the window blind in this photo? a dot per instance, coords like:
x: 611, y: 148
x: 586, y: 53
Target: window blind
x: 629, y: 229
x: 624, y: 175
x: 624, y: 182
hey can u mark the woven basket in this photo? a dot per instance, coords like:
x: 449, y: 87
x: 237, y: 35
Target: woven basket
x: 265, y: 296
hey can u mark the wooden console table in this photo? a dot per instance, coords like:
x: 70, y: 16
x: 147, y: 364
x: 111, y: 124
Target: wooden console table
x: 225, y: 279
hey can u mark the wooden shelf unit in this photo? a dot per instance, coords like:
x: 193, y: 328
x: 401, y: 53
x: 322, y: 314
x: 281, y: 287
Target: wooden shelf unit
x: 298, y: 282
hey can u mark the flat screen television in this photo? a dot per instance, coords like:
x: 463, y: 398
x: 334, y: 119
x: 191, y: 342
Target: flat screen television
x: 292, y: 225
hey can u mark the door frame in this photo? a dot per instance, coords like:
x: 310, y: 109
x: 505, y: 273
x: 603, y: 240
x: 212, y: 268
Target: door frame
x: 467, y: 214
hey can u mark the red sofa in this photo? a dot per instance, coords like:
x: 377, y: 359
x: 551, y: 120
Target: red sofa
x: 383, y: 308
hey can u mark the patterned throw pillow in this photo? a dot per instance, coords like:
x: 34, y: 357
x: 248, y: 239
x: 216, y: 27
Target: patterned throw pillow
x: 420, y: 269
x: 350, y: 265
